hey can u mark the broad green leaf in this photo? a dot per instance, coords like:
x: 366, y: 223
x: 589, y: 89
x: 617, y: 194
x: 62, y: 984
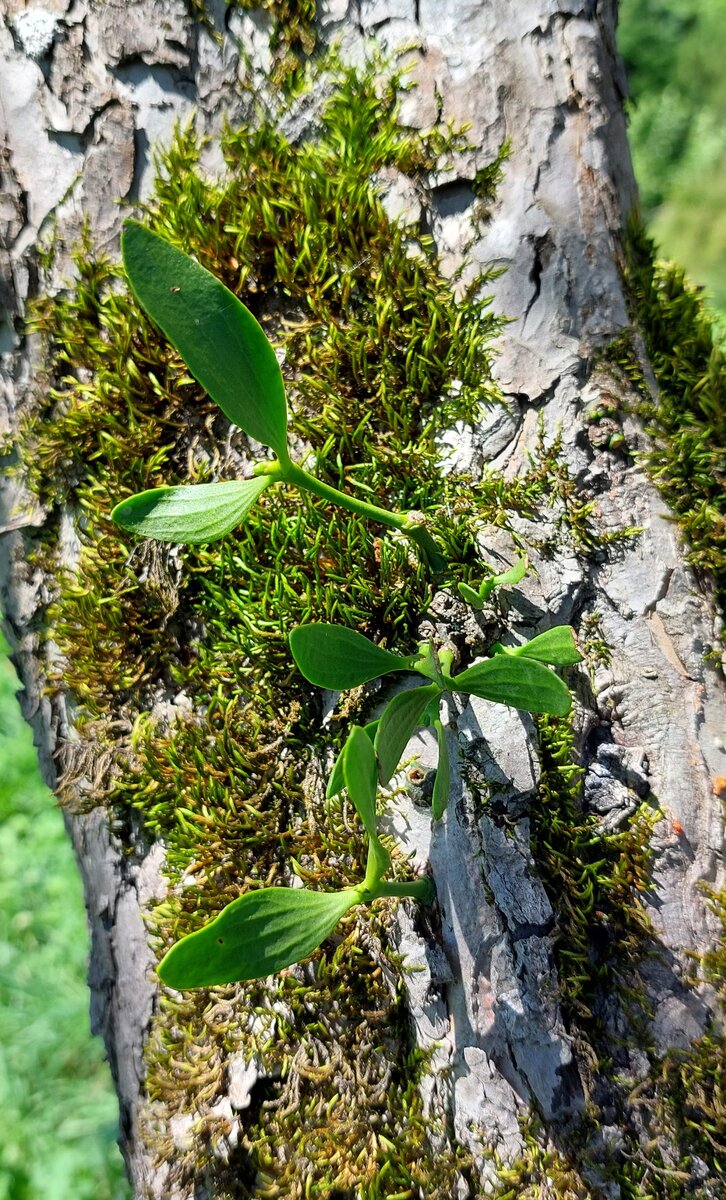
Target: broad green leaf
x: 360, y: 772
x: 400, y: 720
x: 433, y: 708
x: 519, y: 682
x: 218, y: 338
x: 442, y: 782
x: 334, y: 657
x: 507, y: 578
x: 556, y: 646
x: 200, y: 512
x: 255, y: 936
x: 336, y: 783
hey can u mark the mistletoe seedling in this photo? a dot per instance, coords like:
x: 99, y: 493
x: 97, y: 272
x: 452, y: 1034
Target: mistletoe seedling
x: 227, y: 351
x: 336, y: 658
x: 477, y: 598
x: 264, y: 931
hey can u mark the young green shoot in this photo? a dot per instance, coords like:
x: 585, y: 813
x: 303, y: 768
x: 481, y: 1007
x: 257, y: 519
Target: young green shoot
x: 336, y: 658
x: 267, y: 930
x: 478, y: 597
x: 227, y: 351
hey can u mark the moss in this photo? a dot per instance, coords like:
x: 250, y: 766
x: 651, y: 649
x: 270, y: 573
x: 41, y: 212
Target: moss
x: 687, y: 418
x: 293, y: 35
x: 667, y: 1130
x: 593, y: 878
x: 688, y: 1091
x: 293, y: 38
x: 542, y: 1170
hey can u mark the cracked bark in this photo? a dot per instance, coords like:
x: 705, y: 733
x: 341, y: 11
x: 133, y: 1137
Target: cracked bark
x: 81, y: 112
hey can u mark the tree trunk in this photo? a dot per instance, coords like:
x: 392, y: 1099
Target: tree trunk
x: 87, y: 90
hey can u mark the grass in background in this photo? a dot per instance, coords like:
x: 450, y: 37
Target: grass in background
x: 59, y: 1111
x: 674, y: 53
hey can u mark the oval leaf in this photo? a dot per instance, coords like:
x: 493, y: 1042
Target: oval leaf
x: 519, y: 682
x: 254, y: 936
x: 336, y: 783
x: 556, y: 646
x: 400, y: 720
x: 337, y: 658
x: 360, y: 772
x: 200, y: 512
x: 470, y: 596
x: 442, y: 781
x: 220, y: 341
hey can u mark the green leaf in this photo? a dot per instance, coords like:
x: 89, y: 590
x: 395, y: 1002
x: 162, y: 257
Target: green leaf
x: 334, y: 657
x: 200, y: 512
x: 442, y: 782
x: 336, y: 783
x: 519, y: 682
x: 507, y: 578
x: 401, y: 718
x: 467, y: 593
x: 428, y: 664
x: 556, y: 646
x: 255, y: 936
x: 218, y: 338
x: 379, y: 862
x: 360, y: 772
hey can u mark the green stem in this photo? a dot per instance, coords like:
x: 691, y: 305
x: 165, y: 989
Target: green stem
x: 422, y: 890
x: 298, y: 477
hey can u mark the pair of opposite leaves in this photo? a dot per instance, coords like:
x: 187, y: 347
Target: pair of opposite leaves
x: 267, y: 930
x: 337, y: 658
x: 228, y: 352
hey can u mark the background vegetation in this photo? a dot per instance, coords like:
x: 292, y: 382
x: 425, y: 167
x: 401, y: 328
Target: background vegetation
x: 674, y: 54
x: 52, y: 1075
x: 59, y: 1114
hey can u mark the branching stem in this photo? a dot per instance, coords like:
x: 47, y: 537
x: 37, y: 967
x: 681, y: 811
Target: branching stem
x: 290, y: 472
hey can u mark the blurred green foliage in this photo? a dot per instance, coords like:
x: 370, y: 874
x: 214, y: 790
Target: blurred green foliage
x: 674, y: 53
x: 59, y: 1112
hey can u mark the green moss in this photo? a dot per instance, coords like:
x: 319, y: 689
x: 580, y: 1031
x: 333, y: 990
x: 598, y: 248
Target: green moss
x: 293, y: 35
x: 671, y: 1125
x: 593, y: 879
x: 542, y: 1169
x: 689, y: 1090
x: 293, y: 39
x: 687, y: 418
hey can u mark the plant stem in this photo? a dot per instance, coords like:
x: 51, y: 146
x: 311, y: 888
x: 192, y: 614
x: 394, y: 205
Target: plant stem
x: 299, y: 477
x: 422, y: 890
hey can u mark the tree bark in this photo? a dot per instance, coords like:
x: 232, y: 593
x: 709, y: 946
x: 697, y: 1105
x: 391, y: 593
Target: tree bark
x: 86, y: 91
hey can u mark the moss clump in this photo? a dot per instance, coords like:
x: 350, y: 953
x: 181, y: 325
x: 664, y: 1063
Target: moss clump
x: 293, y: 39
x: 688, y: 1091
x: 293, y: 35
x: 593, y: 879
x: 687, y: 418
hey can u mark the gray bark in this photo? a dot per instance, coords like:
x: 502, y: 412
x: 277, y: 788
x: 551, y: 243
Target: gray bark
x: 84, y: 96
